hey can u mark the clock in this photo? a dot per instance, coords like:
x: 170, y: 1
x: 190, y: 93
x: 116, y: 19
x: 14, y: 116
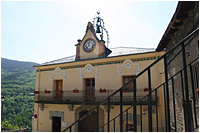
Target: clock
x: 89, y: 45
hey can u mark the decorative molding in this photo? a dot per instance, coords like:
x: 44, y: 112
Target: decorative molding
x: 105, y: 63
x: 57, y: 71
x: 56, y: 114
x: 126, y: 65
x: 88, y: 68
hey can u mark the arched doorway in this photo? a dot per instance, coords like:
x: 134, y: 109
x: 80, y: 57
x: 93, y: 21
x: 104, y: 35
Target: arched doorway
x: 80, y: 111
x: 89, y: 123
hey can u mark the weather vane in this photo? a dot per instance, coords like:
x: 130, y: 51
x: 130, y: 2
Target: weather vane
x: 98, y: 23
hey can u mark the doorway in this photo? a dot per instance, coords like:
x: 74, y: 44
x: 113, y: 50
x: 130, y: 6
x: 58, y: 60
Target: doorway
x: 59, y: 88
x: 90, y: 89
x: 89, y: 123
x: 56, y: 124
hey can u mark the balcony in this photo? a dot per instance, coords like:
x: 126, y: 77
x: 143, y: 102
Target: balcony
x: 81, y: 96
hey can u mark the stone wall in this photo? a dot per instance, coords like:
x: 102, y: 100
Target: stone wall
x: 175, y: 64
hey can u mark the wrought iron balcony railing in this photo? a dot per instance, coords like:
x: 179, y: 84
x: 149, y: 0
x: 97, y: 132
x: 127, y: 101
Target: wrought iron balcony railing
x: 77, y: 97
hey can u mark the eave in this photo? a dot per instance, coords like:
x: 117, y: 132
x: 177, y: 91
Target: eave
x: 179, y: 16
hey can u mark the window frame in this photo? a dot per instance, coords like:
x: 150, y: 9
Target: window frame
x: 130, y: 88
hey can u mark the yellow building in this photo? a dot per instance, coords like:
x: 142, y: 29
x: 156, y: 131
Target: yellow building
x: 68, y: 88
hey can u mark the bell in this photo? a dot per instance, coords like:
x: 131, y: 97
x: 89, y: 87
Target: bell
x: 98, y: 20
x: 98, y: 30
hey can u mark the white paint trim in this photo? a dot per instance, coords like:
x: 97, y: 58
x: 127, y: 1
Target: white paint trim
x: 127, y: 65
x: 57, y: 71
x: 88, y: 68
x: 56, y: 114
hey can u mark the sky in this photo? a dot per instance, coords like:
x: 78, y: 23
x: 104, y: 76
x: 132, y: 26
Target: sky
x: 43, y: 31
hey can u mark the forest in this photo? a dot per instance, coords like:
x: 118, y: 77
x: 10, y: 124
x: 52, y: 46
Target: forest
x: 17, y: 85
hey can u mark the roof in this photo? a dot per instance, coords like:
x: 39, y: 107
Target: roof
x: 179, y: 16
x: 118, y: 51
x: 129, y: 50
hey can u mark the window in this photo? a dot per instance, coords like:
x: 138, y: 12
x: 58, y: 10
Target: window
x: 128, y: 88
x: 130, y: 118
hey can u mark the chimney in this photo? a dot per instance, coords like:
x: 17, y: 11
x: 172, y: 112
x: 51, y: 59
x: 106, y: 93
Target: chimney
x: 78, y: 49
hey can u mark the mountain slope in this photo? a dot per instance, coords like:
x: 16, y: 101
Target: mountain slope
x: 13, y: 64
x: 17, y: 85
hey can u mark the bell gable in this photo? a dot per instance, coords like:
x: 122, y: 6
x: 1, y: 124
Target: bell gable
x: 90, y: 46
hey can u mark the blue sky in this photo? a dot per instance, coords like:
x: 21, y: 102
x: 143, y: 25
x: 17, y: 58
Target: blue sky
x: 44, y: 31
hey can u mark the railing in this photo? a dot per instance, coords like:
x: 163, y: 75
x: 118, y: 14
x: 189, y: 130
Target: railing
x: 170, y: 108
x: 81, y: 96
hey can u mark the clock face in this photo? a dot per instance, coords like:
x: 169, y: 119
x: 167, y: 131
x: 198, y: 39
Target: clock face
x: 89, y: 45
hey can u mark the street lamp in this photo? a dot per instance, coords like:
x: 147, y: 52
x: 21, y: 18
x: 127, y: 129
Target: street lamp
x: 2, y: 100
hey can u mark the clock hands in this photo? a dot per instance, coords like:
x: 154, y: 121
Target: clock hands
x: 89, y: 45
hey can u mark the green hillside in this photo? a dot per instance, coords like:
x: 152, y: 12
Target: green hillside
x: 13, y: 64
x: 17, y: 84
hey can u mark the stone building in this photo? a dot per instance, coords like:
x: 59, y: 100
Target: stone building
x: 185, y: 22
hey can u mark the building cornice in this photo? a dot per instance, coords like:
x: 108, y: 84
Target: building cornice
x: 100, y: 63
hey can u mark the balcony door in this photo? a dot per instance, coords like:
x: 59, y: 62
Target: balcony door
x: 59, y: 88
x: 90, y: 89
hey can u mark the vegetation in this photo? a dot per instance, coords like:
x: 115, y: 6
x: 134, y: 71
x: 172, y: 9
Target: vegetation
x: 17, y: 85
